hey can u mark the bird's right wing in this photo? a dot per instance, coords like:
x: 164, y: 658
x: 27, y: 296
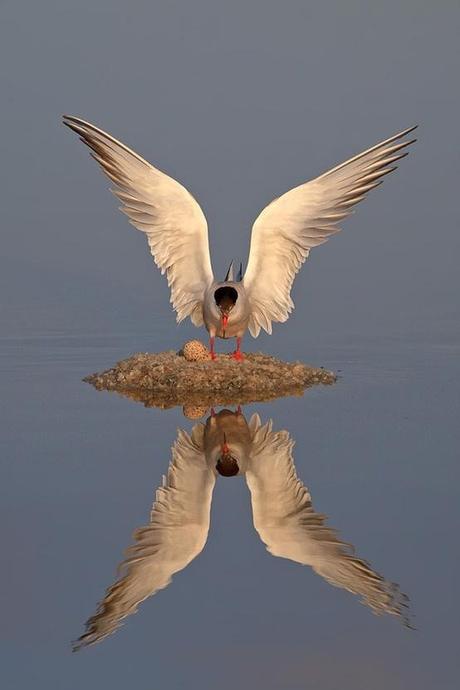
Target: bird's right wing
x: 158, y: 205
x: 303, y: 218
x: 290, y: 528
x: 176, y: 534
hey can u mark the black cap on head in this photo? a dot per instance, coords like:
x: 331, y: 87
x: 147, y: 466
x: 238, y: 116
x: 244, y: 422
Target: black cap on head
x: 227, y: 466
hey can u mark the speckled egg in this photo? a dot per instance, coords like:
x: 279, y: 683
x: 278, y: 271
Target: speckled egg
x: 195, y: 351
x: 194, y: 411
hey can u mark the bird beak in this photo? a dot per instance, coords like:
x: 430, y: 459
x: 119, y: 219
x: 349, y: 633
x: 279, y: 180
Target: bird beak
x: 225, y: 448
x: 224, y: 318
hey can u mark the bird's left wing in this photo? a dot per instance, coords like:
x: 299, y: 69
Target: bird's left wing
x: 161, y: 207
x: 290, y: 528
x: 303, y: 218
x: 176, y: 534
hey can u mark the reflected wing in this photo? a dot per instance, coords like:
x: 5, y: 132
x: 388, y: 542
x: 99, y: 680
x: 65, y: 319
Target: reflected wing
x: 173, y: 221
x: 176, y: 534
x: 305, y: 217
x: 290, y: 528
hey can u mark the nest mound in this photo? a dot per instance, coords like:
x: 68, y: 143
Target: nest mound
x: 168, y: 379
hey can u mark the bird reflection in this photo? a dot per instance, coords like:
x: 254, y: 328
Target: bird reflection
x: 282, y: 510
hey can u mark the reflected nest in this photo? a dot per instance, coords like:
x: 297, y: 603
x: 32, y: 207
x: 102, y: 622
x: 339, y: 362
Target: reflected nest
x: 168, y: 379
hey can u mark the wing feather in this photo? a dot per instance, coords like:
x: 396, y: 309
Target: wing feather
x: 175, y: 535
x: 303, y: 218
x: 290, y: 528
x: 161, y: 207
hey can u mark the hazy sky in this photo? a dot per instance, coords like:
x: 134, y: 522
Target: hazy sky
x: 240, y: 101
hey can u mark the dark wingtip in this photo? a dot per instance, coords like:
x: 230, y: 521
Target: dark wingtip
x: 67, y: 119
x: 82, y: 642
x: 71, y: 123
x: 76, y: 645
x: 407, y: 131
x: 74, y: 123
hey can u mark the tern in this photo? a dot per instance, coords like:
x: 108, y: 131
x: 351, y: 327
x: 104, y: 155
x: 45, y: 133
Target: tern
x: 282, y: 510
x: 282, y: 235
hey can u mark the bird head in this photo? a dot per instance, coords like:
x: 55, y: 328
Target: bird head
x: 227, y: 465
x: 225, y: 297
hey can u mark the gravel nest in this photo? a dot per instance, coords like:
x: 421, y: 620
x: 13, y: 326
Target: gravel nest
x: 167, y: 379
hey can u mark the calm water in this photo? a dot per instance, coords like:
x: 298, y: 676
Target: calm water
x: 378, y: 452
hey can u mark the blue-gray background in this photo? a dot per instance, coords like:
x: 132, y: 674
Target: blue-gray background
x: 240, y: 101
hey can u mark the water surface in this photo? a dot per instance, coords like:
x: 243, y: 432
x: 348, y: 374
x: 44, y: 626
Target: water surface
x: 377, y: 452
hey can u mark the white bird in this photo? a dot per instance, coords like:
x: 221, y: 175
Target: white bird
x: 282, y: 513
x: 281, y: 239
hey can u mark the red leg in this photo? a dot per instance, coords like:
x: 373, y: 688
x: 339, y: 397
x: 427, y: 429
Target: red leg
x: 238, y: 355
x: 211, y: 347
